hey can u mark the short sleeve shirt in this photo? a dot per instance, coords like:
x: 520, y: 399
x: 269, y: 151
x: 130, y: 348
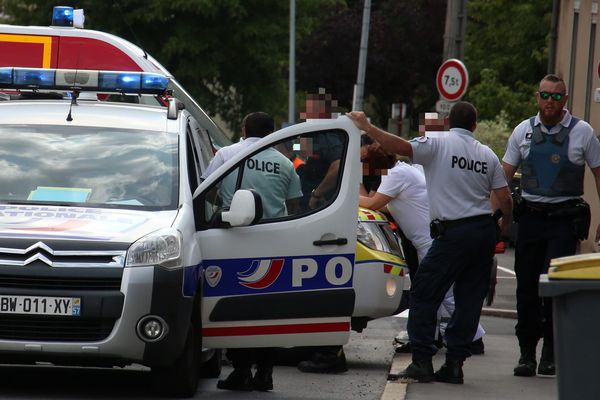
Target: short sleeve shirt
x: 409, y: 206
x: 269, y: 172
x: 225, y: 153
x: 584, y: 147
x: 326, y: 149
x: 460, y: 173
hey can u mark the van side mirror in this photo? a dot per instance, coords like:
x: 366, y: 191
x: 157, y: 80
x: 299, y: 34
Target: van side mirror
x: 245, y: 209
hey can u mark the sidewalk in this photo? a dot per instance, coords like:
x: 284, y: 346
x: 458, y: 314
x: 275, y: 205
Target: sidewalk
x: 489, y: 376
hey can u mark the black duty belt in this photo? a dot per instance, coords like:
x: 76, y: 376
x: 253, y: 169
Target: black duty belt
x: 461, y: 221
x: 546, y: 207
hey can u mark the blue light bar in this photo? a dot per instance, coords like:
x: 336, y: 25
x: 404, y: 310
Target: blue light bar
x: 62, y: 16
x: 34, y: 78
x: 5, y: 76
x: 83, y: 80
x: 120, y: 81
x: 154, y: 82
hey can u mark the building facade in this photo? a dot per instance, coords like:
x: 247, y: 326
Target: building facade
x: 574, y: 55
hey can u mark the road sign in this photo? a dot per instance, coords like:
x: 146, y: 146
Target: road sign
x: 452, y: 79
x: 443, y: 106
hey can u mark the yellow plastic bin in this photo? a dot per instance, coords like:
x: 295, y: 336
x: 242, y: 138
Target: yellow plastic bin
x: 574, y: 284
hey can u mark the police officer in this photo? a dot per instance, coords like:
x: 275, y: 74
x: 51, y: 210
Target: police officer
x: 552, y: 149
x: 319, y: 177
x: 272, y: 175
x: 460, y: 175
x: 269, y: 172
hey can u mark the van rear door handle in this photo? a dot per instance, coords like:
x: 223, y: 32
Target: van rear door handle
x: 338, y: 241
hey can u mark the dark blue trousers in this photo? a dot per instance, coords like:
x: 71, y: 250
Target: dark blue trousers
x: 540, y: 239
x: 464, y: 257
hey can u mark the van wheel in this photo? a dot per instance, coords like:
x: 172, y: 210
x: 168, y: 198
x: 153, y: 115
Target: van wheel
x: 212, y: 367
x: 181, y: 378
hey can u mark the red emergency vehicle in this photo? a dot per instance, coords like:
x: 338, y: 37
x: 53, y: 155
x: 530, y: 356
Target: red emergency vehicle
x: 72, y: 48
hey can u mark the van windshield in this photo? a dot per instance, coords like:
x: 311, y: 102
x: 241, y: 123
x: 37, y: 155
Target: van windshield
x: 91, y: 166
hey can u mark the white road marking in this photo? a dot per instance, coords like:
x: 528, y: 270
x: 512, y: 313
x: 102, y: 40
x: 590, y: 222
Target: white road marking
x: 509, y: 271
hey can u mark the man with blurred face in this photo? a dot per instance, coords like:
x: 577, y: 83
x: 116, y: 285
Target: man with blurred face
x: 552, y: 149
x: 460, y: 174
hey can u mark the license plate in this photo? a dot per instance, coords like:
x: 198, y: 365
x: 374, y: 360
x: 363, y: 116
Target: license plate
x: 66, y: 306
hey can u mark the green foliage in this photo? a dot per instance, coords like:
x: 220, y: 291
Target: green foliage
x: 494, y: 133
x: 405, y: 50
x: 506, y: 54
x: 493, y: 98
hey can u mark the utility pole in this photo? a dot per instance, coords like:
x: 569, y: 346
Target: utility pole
x: 456, y: 28
x: 292, y: 68
x: 359, y: 88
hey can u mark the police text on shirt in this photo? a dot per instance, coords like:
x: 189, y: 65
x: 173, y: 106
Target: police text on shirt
x: 470, y: 165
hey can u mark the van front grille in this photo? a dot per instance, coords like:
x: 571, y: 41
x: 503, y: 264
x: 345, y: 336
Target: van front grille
x: 69, y: 329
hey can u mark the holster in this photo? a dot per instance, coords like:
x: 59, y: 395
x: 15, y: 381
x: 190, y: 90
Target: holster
x: 579, y: 213
x: 437, y: 229
x: 518, y: 205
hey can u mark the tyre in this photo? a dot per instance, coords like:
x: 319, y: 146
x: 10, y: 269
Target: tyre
x: 211, y: 368
x: 181, y: 378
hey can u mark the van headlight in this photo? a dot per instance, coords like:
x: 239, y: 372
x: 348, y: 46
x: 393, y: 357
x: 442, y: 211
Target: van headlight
x: 162, y: 248
x: 371, y: 236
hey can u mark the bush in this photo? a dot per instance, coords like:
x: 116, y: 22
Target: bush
x: 494, y: 133
x: 492, y: 98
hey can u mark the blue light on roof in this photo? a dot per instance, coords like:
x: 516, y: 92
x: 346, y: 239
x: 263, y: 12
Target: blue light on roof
x: 6, y: 76
x: 120, y: 81
x: 33, y: 78
x: 62, y: 16
x: 154, y: 82
x: 83, y: 80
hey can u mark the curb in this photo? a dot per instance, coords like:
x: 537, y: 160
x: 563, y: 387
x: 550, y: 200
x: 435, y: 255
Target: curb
x: 498, y: 312
x: 396, y: 390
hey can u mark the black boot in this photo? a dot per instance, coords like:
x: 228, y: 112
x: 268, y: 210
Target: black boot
x: 477, y: 347
x: 239, y: 379
x: 547, y: 366
x: 450, y: 372
x: 263, y: 379
x: 329, y: 360
x: 419, y: 370
x: 527, y: 363
x: 404, y: 348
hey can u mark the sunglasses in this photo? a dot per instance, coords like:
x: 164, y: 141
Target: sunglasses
x: 555, y: 96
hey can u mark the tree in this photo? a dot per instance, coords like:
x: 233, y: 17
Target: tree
x: 405, y: 50
x: 231, y: 55
x: 506, y: 53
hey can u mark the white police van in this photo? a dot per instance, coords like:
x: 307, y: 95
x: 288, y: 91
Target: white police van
x: 113, y: 251
x: 108, y: 258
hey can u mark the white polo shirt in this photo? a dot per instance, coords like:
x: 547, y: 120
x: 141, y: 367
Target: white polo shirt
x: 584, y: 147
x: 460, y: 173
x: 227, y: 152
x: 409, y: 206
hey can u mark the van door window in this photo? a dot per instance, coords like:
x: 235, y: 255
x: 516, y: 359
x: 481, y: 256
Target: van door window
x: 204, y: 147
x: 295, y: 177
x: 193, y: 164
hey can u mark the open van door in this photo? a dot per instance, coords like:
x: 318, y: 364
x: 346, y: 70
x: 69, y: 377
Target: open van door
x: 286, y: 279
